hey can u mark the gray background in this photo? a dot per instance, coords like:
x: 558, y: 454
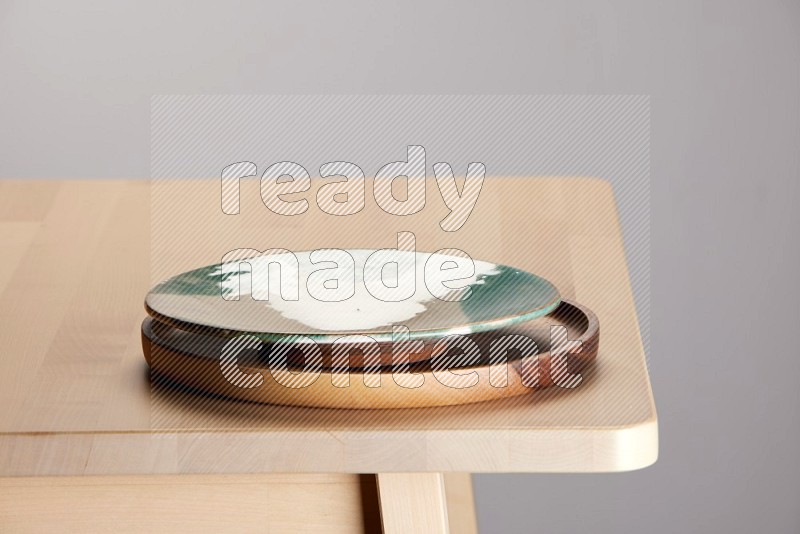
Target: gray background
x: 724, y: 79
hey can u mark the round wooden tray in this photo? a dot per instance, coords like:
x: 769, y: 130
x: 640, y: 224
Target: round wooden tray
x: 193, y: 360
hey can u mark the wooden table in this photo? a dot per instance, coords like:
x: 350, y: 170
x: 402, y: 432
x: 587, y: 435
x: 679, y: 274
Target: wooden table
x: 88, y: 443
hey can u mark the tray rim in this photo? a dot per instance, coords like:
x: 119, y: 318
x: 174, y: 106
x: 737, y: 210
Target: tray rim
x: 434, y: 394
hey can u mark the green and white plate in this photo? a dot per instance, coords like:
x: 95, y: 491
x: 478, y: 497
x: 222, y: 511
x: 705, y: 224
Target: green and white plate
x: 327, y: 294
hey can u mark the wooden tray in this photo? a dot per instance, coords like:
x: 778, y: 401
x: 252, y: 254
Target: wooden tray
x: 193, y: 360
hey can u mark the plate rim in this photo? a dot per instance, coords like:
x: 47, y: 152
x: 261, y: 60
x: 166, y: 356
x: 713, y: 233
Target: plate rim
x: 384, y: 336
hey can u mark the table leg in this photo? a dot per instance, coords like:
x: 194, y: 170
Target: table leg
x: 413, y: 502
x: 460, y: 503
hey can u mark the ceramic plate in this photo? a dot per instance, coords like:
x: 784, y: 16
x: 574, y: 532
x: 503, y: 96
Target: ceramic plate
x: 330, y: 293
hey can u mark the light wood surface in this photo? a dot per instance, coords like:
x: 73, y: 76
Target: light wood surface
x: 273, y: 503
x: 460, y: 503
x: 76, y: 394
x: 413, y: 502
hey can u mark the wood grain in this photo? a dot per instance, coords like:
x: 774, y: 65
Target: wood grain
x: 413, y: 502
x: 460, y: 503
x: 187, y: 504
x: 77, y: 398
